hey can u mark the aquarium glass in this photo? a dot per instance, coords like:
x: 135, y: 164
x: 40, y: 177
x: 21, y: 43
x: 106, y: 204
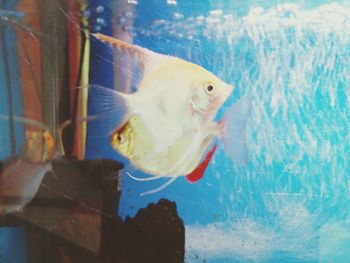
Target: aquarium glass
x: 272, y: 182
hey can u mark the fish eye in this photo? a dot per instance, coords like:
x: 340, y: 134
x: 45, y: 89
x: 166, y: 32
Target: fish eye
x: 210, y: 88
x: 120, y: 138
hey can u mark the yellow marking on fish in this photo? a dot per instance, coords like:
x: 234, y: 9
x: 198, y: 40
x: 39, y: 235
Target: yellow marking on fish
x: 135, y: 142
x: 39, y: 146
x: 131, y: 143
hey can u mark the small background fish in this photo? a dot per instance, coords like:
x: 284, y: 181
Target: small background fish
x: 21, y: 177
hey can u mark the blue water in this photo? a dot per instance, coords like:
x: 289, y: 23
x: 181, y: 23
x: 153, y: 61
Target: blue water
x: 9, y: 77
x: 13, y: 247
x: 291, y: 202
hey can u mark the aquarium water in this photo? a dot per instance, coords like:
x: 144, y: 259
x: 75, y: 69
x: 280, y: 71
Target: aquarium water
x: 291, y: 202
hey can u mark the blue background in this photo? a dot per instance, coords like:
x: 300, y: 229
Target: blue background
x: 290, y: 203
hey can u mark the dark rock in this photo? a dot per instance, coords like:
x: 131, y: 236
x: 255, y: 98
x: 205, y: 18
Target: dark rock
x: 156, y: 234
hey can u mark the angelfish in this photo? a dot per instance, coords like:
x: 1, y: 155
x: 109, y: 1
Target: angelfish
x: 167, y: 125
x: 135, y: 142
x: 21, y: 177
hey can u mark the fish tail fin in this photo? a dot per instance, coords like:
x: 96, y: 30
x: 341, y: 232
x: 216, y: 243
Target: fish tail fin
x: 234, y: 131
x: 107, y: 109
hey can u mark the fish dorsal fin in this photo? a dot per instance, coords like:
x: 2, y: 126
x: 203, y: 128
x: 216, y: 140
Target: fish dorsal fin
x: 198, y: 172
x: 132, y: 62
x: 134, y: 50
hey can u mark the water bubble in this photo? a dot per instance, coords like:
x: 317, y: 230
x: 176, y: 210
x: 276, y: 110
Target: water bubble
x: 171, y: 2
x: 217, y: 12
x: 180, y: 35
x: 122, y: 21
x: 213, y: 20
x: 129, y: 14
x: 97, y: 28
x: 131, y: 31
x: 159, y: 22
x: 133, y: 2
x: 256, y: 11
x: 100, y: 9
x: 177, y: 16
x: 87, y: 13
x: 228, y: 17
x: 101, y: 21
x: 143, y: 32
x: 172, y: 32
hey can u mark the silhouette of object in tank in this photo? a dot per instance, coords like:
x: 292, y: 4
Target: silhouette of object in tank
x: 73, y: 218
x: 155, y: 234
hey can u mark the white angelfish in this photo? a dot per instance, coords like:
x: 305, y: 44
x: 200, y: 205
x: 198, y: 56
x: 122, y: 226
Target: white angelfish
x: 165, y: 128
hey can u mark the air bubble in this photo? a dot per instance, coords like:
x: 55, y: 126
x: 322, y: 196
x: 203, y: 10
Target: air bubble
x: 101, y: 21
x: 100, y: 9
x: 133, y: 2
x: 171, y: 2
x: 177, y: 16
x: 216, y: 12
x: 159, y: 22
x: 97, y: 28
x: 131, y: 31
x: 129, y: 14
x: 87, y: 13
x: 122, y: 21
